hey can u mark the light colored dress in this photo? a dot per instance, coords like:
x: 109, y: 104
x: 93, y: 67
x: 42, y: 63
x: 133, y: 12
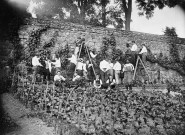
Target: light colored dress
x: 128, y: 73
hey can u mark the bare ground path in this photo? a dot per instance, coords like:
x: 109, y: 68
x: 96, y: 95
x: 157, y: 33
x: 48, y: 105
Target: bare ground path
x: 22, y: 125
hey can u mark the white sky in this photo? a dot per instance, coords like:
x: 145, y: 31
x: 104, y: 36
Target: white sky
x: 171, y: 17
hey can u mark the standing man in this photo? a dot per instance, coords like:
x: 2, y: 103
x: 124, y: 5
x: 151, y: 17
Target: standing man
x: 47, y: 73
x: 128, y: 73
x: 117, y: 69
x: 104, y: 67
x: 36, y: 66
x: 134, y: 50
x: 143, y: 53
x: 134, y: 47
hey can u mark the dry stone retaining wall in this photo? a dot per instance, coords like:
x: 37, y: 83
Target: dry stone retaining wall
x: 68, y: 33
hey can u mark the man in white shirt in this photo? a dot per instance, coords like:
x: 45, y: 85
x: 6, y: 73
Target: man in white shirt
x: 36, y: 66
x: 35, y: 61
x: 134, y: 47
x: 117, y: 69
x: 134, y: 51
x: 104, y: 67
x: 143, y: 52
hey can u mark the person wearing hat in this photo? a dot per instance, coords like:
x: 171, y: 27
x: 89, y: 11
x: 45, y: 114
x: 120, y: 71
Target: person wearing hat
x: 128, y: 69
x: 58, y: 78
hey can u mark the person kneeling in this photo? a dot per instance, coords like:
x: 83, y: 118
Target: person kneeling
x: 112, y: 84
x: 58, y: 79
x: 97, y: 82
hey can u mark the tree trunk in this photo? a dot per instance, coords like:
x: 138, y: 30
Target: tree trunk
x: 82, y: 15
x: 128, y: 10
x: 103, y: 15
x: 81, y: 5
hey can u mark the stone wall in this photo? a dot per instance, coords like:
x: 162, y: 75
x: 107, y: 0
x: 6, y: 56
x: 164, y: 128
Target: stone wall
x: 68, y: 33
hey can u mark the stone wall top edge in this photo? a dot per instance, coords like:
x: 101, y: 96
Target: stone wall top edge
x: 59, y: 24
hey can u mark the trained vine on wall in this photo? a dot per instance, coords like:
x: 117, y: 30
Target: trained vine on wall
x: 109, y: 50
x: 34, y: 42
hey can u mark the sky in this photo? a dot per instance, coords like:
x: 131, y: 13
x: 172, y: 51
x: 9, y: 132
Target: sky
x: 171, y: 17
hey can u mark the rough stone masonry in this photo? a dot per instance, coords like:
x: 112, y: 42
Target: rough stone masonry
x: 68, y: 33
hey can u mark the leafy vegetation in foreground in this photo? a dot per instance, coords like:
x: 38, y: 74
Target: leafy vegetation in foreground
x: 116, y: 111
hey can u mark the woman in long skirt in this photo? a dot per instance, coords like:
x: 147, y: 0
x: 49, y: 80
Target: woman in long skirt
x: 128, y: 69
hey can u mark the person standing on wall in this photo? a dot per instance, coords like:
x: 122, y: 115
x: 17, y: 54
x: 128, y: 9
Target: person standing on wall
x: 134, y: 50
x: 128, y: 69
x: 104, y: 67
x: 143, y: 53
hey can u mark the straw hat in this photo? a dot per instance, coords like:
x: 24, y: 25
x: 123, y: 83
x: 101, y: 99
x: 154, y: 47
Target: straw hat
x: 58, y: 71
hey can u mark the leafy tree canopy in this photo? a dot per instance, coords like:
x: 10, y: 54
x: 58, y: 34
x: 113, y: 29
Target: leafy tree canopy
x: 170, y: 32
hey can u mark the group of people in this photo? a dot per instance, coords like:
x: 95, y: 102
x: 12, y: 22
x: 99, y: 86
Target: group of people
x: 108, y: 74
x: 46, y: 67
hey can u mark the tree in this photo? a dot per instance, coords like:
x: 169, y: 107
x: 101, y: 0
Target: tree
x: 103, y: 4
x: 50, y: 8
x: 170, y: 32
x: 146, y: 7
x: 127, y: 8
x: 86, y: 7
